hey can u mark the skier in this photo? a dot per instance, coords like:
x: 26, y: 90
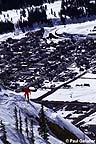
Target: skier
x: 26, y: 91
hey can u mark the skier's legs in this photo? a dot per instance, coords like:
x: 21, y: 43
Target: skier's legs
x: 28, y: 97
x: 25, y: 95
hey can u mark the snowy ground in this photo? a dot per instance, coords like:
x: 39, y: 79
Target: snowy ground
x: 78, y: 28
x: 83, y: 28
x: 79, y: 93
x: 7, y: 105
x: 31, y: 110
x: 91, y: 120
x: 15, y: 16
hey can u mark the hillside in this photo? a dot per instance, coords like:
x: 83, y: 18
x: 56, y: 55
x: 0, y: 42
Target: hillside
x: 9, y: 101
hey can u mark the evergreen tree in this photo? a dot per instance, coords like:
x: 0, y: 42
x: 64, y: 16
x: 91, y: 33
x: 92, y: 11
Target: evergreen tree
x: 51, y: 11
x: 55, y: 14
x: 43, y: 128
x: 16, y: 118
x: 3, y: 132
x: 26, y: 126
x: 20, y: 121
x: 32, y: 133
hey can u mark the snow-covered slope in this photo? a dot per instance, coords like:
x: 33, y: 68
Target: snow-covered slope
x: 80, y: 93
x: 70, y: 127
x: 78, y: 28
x: 31, y: 110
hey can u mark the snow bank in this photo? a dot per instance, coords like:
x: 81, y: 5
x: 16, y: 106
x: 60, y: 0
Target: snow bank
x: 53, y: 117
x: 8, y: 101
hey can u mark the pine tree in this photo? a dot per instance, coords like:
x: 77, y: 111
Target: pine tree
x: 43, y: 128
x: 20, y: 122
x: 26, y: 125
x: 16, y: 118
x: 3, y: 132
x: 51, y: 11
x: 32, y: 133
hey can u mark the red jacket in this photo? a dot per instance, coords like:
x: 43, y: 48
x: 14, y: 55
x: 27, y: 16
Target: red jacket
x: 26, y: 90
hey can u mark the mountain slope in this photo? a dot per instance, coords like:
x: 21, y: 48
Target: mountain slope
x: 31, y: 111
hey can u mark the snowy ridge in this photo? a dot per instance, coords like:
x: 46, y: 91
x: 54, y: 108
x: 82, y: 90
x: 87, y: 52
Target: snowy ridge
x: 31, y: 110
x: 69, y: 126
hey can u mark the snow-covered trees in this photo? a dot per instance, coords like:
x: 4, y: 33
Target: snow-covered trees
x: 26, y: 127
x: 31, y: 138
x: 20, y: 121
x: 3, y: 132
x: 77, y: 8
x: 16, y: 118
x: 16, y: 4
x: 37, y: 15
x: 43, y: 131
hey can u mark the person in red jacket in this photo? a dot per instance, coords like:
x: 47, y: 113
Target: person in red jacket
x: 27, y: 91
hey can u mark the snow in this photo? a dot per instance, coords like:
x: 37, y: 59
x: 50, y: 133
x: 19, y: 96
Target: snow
x: 56, y: 6
x: 8, y: 101
x: 89, y: 75
x: 5, y: 36
x: 53, y: 140
x: 64, y: 113
x: 7, y: 105
x: 79, y: 93
x: 15, y: 16
x: 1, y: 142
x: 83, y: 28
x: 79, y: 28
x: 69, y: 126
x: 91, y: 120
x: 31, y: 110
